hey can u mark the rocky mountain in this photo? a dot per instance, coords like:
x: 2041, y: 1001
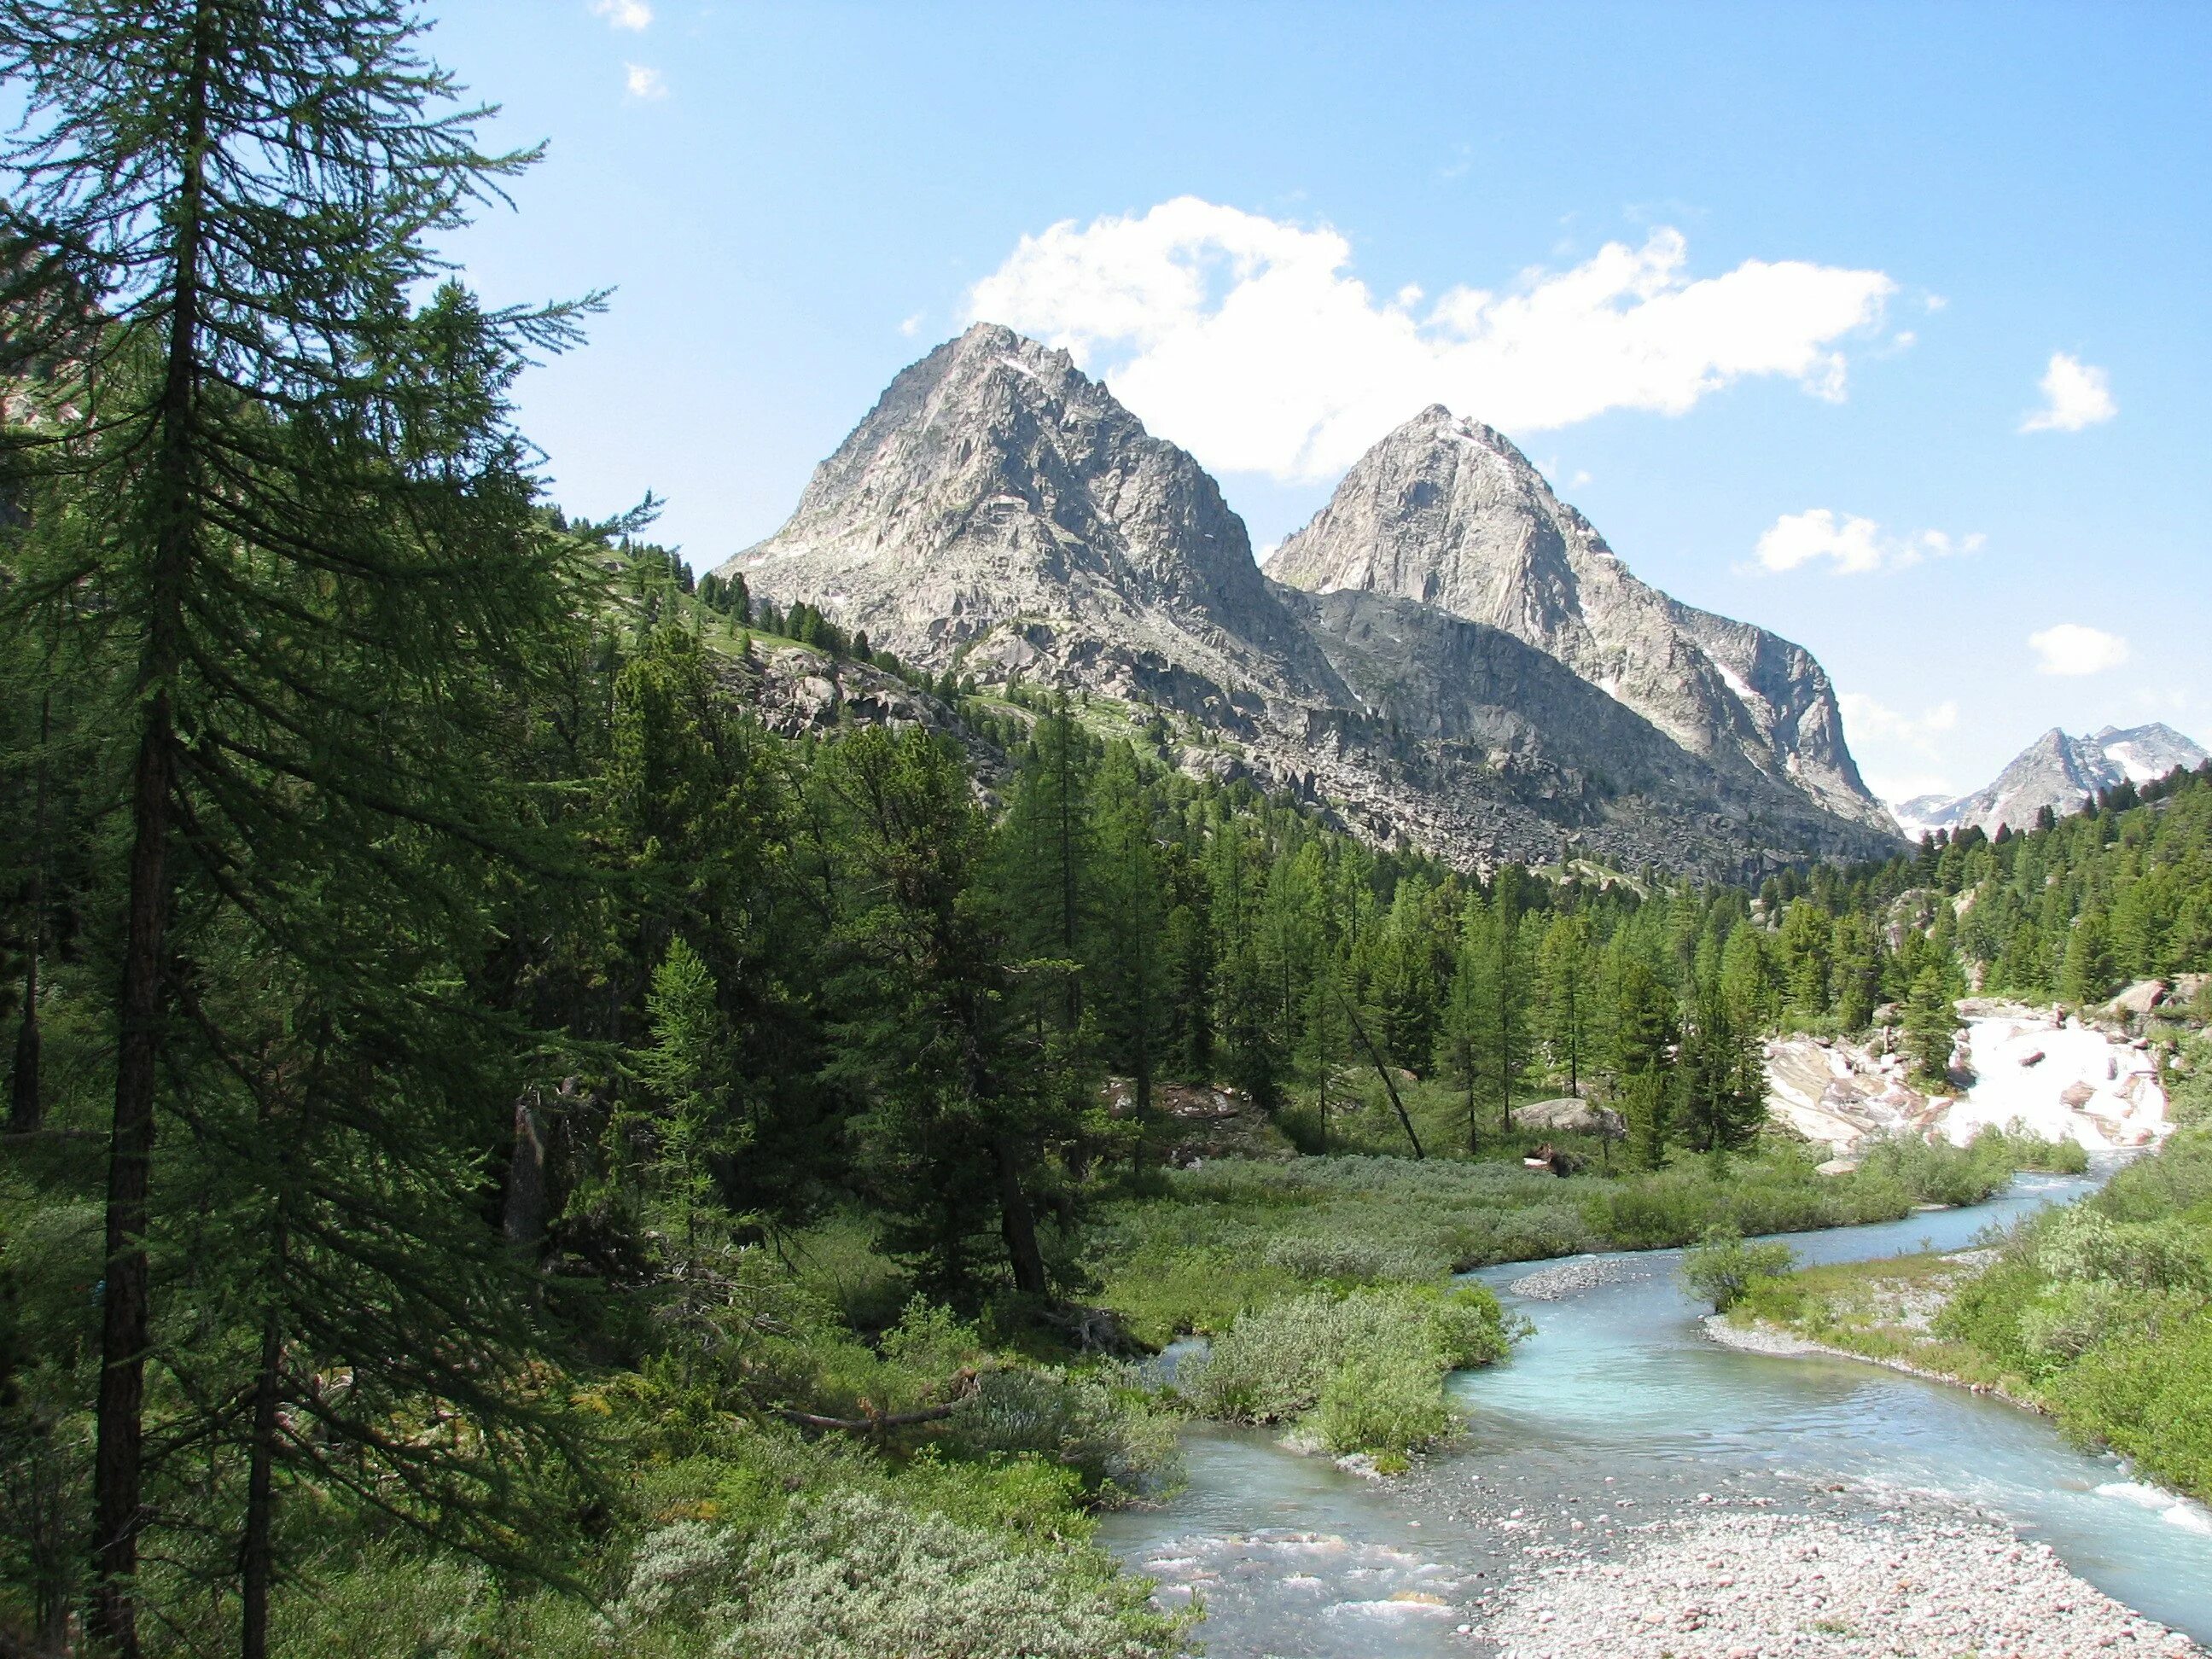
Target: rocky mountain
x: 2058, y: 771
x: 1000, y: 510
x: 1449, y: 513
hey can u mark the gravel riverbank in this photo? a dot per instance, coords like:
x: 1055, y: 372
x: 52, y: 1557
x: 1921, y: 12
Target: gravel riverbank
x: 1584, y: 1273
x: 1749, y: 1585
x: 1763, y: 1568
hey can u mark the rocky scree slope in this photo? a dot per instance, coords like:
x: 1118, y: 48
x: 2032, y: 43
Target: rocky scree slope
x: 2058, y: 771
x: 1000, y: 510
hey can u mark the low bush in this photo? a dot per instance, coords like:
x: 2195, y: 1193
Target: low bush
x: 1329, y: 1352
x: 847, y: 1575
x: 1724, y: 1268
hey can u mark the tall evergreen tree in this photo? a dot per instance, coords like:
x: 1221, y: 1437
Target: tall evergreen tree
x: 1131, y: 971
x: 1566, y: 1006
x: 278, y: 469
x: 960, y: 1109
x: 1645, y: 1032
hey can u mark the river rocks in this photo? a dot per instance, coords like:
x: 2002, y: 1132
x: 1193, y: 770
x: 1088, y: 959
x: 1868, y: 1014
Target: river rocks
x: 1924, y: 1581
x: 1582, y: 1273
x: 2138, y: 1000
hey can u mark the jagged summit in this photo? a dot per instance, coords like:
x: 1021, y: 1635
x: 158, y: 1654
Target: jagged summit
x: 994, y: 480
x: 2058, y: 771
x: 1000, y: 510
x: 1449, y: 511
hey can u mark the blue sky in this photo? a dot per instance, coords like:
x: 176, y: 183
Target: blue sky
x: 1770, y: 292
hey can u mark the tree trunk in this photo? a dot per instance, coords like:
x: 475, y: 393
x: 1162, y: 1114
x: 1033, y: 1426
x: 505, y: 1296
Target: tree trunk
x: 26, y: 1104
x: 125, y: 1323
x: 523, y: 1219
x: 257, y: 1562
x: 25, y: 1110
x: 117, y: 1458
x: 1016, y: 1222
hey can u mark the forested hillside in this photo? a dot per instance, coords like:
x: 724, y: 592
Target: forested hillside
x: 508, y: 1154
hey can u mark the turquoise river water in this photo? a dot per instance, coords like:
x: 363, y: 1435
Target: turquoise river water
x: 1617, y: 1404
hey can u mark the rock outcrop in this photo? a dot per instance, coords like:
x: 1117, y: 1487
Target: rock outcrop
x: 1001, y: 510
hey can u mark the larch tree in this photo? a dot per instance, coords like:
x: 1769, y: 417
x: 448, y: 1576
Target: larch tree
x: 297, y: 496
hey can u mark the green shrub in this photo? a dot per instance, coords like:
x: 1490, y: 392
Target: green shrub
x: 1363, y: 1372
x: 1724, y: 1268
x: 1115, y: 1443
x: 847, y: 1575
x: 2148, y: 1396
x: 1386, y: 1403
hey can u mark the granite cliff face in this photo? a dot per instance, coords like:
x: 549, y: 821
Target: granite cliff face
x: 2059, y: 772
x: 1448, y: 511
x: 998, y: 509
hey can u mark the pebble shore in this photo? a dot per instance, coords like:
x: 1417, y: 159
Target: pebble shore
x: 1582, y: 1273
x: 1919, y: 1583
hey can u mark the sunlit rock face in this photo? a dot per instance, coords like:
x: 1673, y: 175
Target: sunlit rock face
x: 1449, y: 513
x: 999, y: 510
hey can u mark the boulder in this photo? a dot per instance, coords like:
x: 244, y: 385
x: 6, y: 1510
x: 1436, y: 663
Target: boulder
x: 2139, y: 999
x: 1571, y: 1116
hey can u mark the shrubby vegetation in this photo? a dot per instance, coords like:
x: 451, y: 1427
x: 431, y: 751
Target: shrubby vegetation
x: 1359, y: 1372
x: 1723, y: 1269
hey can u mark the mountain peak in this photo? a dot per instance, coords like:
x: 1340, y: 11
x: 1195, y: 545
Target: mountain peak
x: 1449, y: 511
x: 993, y: 480
x: 2059, y: 771
x: 1000, y: 510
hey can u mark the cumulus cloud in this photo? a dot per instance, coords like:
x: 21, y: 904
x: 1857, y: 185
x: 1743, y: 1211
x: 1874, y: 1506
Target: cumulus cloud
x: 632, y: 15
x: 1852, y: 546
x: 2075, y: 395
x: 1247, y: 340
x: 2071, y: 648
x: 644, y: 83
x: 1897, y: 749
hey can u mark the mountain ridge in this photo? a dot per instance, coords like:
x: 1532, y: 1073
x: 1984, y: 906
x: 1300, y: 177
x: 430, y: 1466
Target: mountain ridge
x: 999, y: 510
x: 1449, y: 511
x: 2059, y: 771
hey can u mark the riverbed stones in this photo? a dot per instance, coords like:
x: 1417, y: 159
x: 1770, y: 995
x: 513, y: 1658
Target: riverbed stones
x: 1914, y: 1583
x: 1584, y: 1273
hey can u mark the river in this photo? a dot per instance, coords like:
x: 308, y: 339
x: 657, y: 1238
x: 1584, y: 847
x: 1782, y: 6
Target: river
x: 1617, y: 1405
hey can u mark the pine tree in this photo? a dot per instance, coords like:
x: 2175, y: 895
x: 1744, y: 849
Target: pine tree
x: 1931, y: 1026
x: 299, y: 496
x: 1722, y: 1090
x: 960, y: 1108
x: 1563, y: 995
x: 1129, y: 953
x: 1644, y: 1033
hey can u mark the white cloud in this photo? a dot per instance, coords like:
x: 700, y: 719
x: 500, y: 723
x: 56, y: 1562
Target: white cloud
x: 1897, y: 749
x: 2075, y: 395
x: 910, y: 326
x: 632, y: 15
x: 1245, y: 339
x: 2070, y: 648
x: 644, y: 83
x: 1853, y: 546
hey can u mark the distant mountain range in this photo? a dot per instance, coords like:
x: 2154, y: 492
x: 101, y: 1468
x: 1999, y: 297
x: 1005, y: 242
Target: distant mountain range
x: 2056, y: 771
x: 1447, y: 656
